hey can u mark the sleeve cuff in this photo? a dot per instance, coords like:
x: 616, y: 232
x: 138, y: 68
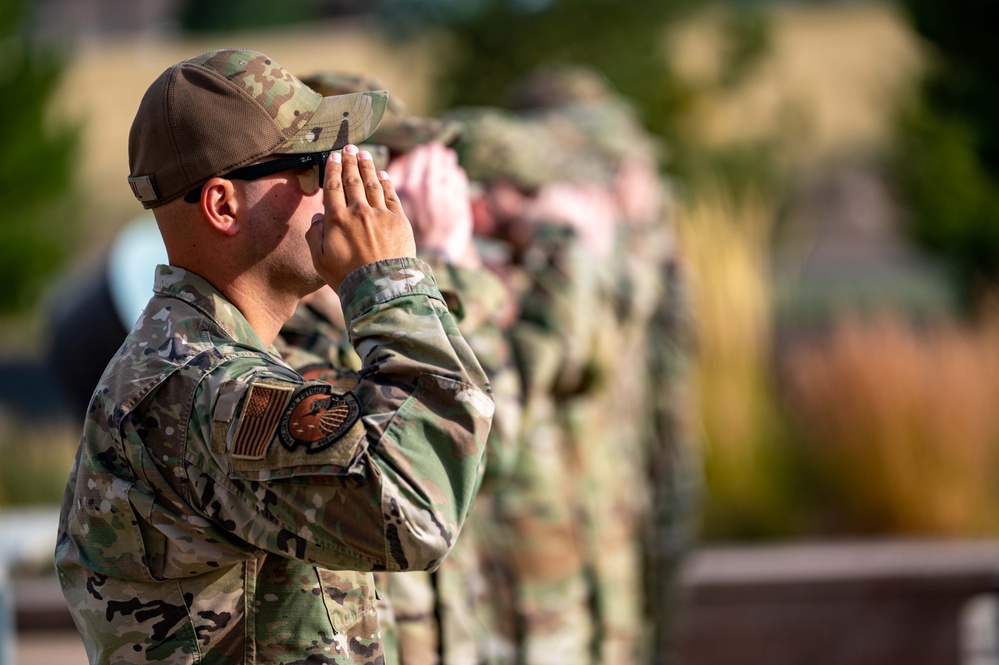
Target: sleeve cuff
x: 379, y: 282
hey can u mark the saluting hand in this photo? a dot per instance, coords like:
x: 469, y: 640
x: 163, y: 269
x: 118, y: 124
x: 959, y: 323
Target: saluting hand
x: 363, y: 221
x: 433, y: 189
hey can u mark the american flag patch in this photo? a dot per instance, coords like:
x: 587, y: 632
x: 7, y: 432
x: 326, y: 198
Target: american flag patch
x: 258, y: 423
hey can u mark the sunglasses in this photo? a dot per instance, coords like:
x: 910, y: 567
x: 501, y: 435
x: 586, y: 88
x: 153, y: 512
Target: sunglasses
x: 311, y: 166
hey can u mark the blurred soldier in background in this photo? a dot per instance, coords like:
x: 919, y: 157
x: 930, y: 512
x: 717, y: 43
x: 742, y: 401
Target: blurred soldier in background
x: 533, y: 211
x: 96, y: 306
x: 652, y: 342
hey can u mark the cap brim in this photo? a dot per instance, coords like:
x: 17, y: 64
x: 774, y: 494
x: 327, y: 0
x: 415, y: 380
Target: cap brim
x: 405, y: 133
x: 337, y: 121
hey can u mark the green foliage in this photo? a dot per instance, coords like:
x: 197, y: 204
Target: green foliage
x: 748, y: 36
x: 36, y: 167
x: 234, y: 15
x: 954, y: 199
x: 948, y: 141
x: 751, y: 168
x: 499, y: 41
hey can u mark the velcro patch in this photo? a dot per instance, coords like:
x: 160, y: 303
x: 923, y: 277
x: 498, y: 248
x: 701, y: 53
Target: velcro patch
x: 263, y: 406
x: 344, y: 379
x: 143, y: 188
x: 317, y: 417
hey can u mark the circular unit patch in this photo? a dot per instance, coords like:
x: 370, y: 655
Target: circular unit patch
x: 317, y: 417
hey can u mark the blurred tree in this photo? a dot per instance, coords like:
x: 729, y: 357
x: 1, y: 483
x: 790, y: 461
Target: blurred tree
x: 234, y: 15
x: 948, y: 148
x: 496, y: 42
x: 36, y: 165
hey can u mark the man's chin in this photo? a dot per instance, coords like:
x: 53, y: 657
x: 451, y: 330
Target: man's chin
x: 310, y: 284
x: 316, y: 284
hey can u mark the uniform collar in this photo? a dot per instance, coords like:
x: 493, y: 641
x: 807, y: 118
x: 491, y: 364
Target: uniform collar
x: 174, y: 282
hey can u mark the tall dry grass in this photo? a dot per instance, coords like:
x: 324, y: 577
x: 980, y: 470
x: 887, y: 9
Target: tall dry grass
x: 902, y: 425
x: 726, y: 243
x: 883, y: 427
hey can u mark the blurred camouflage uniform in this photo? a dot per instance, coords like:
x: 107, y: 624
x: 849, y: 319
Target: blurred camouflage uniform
x: 648, y: 300
x: 199, y: 521
x: 442, y: 616
x: 463, y: 603
x: 537, y: 558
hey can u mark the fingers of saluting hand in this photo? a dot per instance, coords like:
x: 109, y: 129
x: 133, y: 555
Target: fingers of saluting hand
x: 397, y: 168
x: 351, y: 180
x: 416, y: 175
x: 353, y: 185
x: 392, y: 201
x: 436, y: 173
x: 369, y: 177
x: 333, y: 194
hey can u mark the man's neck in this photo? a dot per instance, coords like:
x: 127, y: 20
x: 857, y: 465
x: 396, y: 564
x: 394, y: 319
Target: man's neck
x: 265, y: 310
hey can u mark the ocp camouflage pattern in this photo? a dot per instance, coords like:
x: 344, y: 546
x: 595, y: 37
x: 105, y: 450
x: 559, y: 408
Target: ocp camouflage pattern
x: 293, y: 105
x: 174, y: 547
x: 399, y: 131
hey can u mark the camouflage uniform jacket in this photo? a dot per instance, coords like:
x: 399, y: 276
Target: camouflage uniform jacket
x: 215, y: 491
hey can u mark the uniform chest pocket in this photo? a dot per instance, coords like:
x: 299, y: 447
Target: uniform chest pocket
x: 350, y: 601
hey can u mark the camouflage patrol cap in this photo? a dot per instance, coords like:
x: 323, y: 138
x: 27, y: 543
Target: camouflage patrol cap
x: 498, y: 145
x: 583, y: 107
x: 609, y: 127
x: 558, y: 85
x: 225, y: 109
x: 399, y: 131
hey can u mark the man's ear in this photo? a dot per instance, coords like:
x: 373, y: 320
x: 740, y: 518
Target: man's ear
x: 220, y: 205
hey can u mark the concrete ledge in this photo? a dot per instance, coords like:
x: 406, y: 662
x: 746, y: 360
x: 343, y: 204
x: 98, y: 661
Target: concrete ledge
x: 859, y: 603
x: 40, y: 605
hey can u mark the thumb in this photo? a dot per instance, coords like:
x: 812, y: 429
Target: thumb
x: 314, y: 236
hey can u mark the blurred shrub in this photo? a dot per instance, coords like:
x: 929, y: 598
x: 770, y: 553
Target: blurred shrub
x: 948, y: 149
x: 901, y: 424
x: 36, y: 165
x: 752, y: 471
